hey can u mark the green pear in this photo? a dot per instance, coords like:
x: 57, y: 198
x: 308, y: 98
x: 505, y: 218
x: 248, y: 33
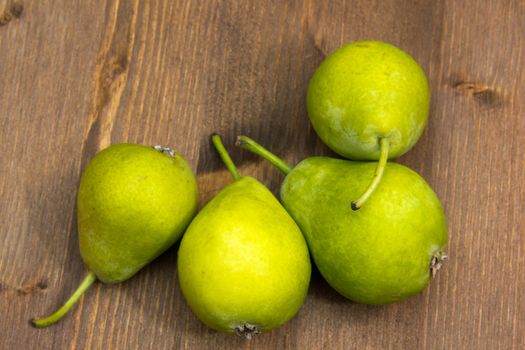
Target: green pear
x: 369, y: 100
x: 385, y: 252
x: 243, y: 263
x: 134, y: 202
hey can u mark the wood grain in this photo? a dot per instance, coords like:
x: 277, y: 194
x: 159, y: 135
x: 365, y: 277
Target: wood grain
x: 76, y: 76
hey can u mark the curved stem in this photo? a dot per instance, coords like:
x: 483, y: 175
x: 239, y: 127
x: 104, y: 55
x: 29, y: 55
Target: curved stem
x: 84, y: 285
x: 217, y: 142
x: 383, y: 157
x: 252, y: 146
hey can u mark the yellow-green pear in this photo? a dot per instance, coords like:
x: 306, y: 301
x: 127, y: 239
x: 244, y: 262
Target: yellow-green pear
x: 243, y: 263
x: 134, y: 202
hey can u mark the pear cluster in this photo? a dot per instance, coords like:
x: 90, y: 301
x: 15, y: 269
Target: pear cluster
x: 375, y: 229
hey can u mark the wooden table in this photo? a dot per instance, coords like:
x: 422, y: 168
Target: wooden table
x: 77, y: 76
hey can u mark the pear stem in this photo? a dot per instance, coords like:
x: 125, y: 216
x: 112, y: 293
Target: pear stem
x: 383, y: 157
x: 84, y: 285
x: 217, y: 142
x: 252, y: 146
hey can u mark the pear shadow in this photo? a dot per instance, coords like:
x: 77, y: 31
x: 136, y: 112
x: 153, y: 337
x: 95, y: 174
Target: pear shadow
x: 266, y: 103
x: 211, y: 172
x: 53, y: 206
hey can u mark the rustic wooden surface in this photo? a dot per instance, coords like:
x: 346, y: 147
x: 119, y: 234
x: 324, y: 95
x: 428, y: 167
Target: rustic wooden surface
x: 76, y: 76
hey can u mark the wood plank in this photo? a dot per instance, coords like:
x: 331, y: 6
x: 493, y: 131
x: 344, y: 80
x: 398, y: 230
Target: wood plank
x: 76, y: 76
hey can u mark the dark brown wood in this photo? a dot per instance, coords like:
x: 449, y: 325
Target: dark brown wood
x: 76, y: 76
